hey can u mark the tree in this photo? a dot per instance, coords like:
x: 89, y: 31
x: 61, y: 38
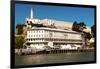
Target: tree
x: 19, y: 41
x: 93, y: 30
x: 82, y: 26
x: 75, y: 26
x: 19, y: 28
x: 78, y: 26
x: 87, y: 35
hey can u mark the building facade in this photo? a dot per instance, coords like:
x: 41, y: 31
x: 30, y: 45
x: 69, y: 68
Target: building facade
x: 40, y: 37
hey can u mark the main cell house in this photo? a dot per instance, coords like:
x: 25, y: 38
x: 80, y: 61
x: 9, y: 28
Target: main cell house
x: 51, y: 34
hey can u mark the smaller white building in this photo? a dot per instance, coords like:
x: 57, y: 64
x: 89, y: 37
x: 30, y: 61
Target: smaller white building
x: 92, y: 40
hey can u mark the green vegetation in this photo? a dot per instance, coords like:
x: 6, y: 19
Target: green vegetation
x: 93, y: 30
x: 19, y: 41
x: 87, y: 35
x: 78, y: 26
x: 19, y: 28
x: 91, y: 45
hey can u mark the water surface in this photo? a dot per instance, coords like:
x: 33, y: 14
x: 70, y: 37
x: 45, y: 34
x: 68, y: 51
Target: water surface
x: 54, y: 58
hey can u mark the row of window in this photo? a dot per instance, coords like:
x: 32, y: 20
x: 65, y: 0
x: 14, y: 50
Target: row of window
x: 35, y: 40
x: 55, y: 33
x: 48, y: 36
x: 53, y: 40
x: 35, y: 36
x: 41, y: 31
x: 36, y: 31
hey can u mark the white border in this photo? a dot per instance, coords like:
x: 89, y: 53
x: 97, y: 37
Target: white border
x: 5, y: 34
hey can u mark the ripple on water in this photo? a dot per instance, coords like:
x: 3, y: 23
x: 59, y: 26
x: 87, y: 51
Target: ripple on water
x: 54, y: 58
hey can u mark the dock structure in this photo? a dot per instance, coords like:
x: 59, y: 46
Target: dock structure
x: 52, y: 51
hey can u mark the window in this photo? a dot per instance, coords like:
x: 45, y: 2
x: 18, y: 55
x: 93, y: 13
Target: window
x: 42, y: 31
x: 31, y: 39
x: 27, y: 21
x: 30, y: 21
x: 37, y: 35
x: 31, y: 31
x: 50, y: 34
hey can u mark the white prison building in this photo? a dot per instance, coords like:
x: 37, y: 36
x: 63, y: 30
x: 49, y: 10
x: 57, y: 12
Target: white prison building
x: 41, y: 37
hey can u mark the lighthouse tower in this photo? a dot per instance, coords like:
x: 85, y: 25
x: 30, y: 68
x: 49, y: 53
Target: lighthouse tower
x: 31, y: 13
x: 29, y: 20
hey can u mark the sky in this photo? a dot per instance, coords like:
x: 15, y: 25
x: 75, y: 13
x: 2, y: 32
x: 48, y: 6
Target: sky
x: 64, y: 13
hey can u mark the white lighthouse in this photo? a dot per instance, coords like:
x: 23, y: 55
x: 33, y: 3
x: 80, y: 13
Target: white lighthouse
x: 31, y: 13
